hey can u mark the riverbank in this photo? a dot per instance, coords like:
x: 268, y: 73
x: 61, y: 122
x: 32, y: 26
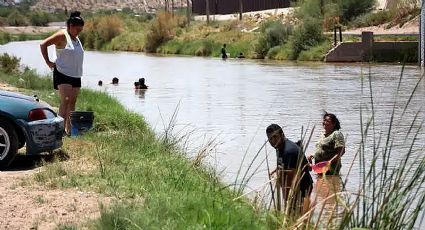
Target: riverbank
x: 149, y: 182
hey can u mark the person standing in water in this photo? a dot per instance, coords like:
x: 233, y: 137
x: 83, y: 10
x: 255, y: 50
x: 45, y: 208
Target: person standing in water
x: 224, y: 52
x: 68, y: 66
x: 292, y: 169
x: 331, y: 145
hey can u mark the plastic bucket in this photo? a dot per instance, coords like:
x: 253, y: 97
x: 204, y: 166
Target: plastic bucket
x: 81, y: 122
x: 321, y: 167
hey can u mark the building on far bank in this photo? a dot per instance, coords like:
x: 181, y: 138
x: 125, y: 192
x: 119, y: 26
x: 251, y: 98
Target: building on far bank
x: 231, y: 7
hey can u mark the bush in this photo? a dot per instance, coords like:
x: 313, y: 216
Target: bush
x: 99, y: 31
x: 354, y: 8
x: 29, y: 79
x: 373, y: 19
x: 9, y: 64
x: 306, y: 35
x: 5, y: 38
x: 310, y: 8
x: 205, y: 49
x: 274, y: 34
x: 39, y: 18
x: 15, y: 18
x: 162, y: 29
x: 316, y: 53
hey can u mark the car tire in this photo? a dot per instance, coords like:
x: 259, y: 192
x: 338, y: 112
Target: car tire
x: 8, y: 143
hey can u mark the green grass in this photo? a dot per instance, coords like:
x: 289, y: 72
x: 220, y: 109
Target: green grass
x: 124, y: 159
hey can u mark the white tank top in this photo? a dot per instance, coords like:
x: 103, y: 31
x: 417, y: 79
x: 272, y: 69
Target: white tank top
x: 69, y: 60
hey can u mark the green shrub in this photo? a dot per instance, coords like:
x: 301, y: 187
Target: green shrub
x: 354, y: 8
x: 274, y: 34
x: 39, y: 18
x: 30, y: 80
x: 99, y: 31
x: 316, y: 53
x: 162, y: 29
x: 281, y: 53
x: 128, y: 41
x: 372, y: 19
x: 310, y: 9
x: 5, y: 38
x: 306, y: 35
x: 9, y: 64
x: 15, y: 18
x: 205, y: 49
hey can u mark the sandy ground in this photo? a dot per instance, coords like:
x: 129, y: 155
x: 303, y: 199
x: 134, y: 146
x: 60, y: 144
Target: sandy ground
x: 27, y: 205
x: 36, y: 207
x: 411, y: 27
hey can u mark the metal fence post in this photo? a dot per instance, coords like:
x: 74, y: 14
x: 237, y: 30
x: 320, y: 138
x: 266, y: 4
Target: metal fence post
x: 422, y: 36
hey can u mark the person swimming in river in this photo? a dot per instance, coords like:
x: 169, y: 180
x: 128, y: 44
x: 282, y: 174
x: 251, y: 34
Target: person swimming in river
x: 115, y: 81
x: 140, y: 84
x: 241, y: 55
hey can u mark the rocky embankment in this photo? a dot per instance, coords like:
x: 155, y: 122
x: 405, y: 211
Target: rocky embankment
x: 137, y: 5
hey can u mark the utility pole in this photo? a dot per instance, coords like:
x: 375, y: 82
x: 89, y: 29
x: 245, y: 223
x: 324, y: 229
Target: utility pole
x: 207, y: 8
x: 422, y: 37
x: 240, y: 10
x: 172, y: 8
x: 188, y: 12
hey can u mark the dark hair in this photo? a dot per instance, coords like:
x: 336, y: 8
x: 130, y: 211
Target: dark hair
x: 273, y: 128
x: 142, y: 81
x: 75, y: 19
x: 334, y: 120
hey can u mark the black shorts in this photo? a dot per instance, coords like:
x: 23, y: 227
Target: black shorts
x: 60, y: 78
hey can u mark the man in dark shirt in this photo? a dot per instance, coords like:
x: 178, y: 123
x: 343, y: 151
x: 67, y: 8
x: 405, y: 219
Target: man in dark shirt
x: 292, y: 167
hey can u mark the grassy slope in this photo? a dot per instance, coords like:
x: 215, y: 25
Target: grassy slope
x: 155, y: 185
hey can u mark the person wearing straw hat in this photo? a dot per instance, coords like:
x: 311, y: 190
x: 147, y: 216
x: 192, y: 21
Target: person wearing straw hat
x: 292, y: 168
x: 330, y: 147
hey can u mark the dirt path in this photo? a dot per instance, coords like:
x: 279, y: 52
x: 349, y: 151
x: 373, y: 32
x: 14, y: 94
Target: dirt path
x: 27, y: 205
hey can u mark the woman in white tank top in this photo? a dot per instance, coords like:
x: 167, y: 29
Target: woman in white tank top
x: 68, y: 66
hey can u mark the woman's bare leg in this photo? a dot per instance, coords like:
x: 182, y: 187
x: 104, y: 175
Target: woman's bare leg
x: 71, y: 102
x: 65, y: 92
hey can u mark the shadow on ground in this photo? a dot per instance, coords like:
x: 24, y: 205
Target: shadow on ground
x: 28, y: 162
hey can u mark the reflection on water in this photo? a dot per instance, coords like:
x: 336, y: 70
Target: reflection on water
x: 140, y: 93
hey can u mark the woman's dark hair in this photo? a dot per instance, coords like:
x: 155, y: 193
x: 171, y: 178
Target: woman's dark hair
x: 75, y: 19
x: 334, y: 120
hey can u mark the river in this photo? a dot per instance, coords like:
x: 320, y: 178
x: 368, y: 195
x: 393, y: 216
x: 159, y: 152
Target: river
x: 233, y: 101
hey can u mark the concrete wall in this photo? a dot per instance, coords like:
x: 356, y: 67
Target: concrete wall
x: 369, y: 50
x: 346, y: 52
x: 395, y: 51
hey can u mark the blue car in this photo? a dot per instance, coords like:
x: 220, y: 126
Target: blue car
x: 25, y: 121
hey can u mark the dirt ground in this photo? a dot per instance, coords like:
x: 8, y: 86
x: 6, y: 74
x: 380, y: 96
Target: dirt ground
x: 27, y: 205
x: 29, y: 29
x: 411, y: 27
